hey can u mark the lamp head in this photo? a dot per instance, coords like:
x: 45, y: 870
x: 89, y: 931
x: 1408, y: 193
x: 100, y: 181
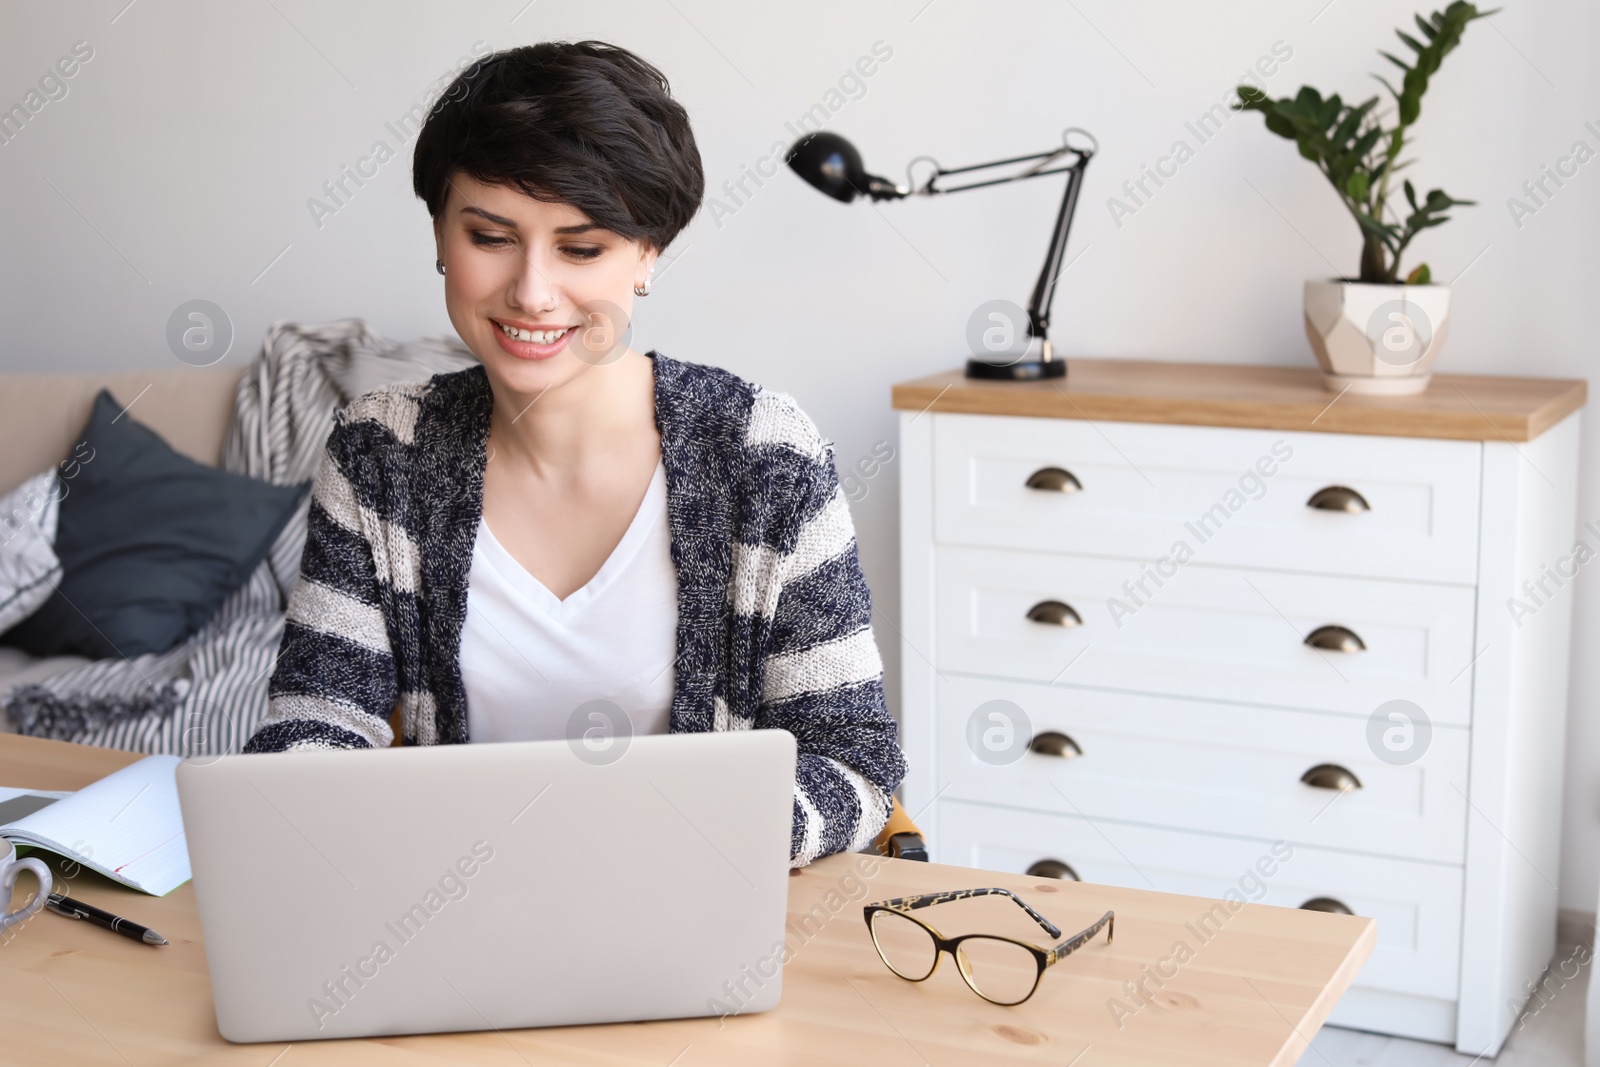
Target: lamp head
x: 832, y: 164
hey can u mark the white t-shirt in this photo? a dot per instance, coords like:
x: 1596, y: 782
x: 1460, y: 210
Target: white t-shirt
x: 530, y: 661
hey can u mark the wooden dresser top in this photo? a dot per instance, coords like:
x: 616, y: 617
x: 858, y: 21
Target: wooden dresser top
x: 1466, y: 407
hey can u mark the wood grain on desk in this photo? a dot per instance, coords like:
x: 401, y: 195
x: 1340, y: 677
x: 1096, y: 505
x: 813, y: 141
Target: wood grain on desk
x: 1254, y: 993
x: 1470, y: 407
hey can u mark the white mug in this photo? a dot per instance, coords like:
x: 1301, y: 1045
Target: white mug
x: 10, y: 867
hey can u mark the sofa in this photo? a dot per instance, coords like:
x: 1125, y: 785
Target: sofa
x: 41, y: 414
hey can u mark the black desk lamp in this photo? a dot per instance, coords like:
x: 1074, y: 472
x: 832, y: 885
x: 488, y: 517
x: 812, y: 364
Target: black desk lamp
x: 833, y: 165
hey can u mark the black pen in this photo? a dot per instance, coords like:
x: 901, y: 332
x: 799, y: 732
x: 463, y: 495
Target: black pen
x: 62, y: 904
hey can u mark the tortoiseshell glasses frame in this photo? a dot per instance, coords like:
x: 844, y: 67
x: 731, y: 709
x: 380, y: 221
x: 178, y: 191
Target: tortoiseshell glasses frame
x: 1043, y: 957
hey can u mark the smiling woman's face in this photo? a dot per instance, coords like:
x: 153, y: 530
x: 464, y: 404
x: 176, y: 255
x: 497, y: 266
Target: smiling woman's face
x: 544, y: 270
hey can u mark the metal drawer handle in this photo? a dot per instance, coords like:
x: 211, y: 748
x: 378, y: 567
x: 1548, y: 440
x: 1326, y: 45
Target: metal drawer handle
x: 1054, y: 479
x: 1327, y: 904
x: 1335, y: 639
x: 1051, y: 743
x: 1331, y: 776
x: 1054, y: 613
x: 1338, y: 498
x: 1053, y: 869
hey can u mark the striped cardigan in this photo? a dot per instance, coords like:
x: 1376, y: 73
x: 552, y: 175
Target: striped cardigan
x: 773, y: 626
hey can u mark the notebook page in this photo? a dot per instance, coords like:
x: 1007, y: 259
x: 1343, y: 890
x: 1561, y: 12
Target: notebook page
x: 127, y: 826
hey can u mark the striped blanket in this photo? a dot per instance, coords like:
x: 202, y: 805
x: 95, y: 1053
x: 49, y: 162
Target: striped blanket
x: 209, y: 694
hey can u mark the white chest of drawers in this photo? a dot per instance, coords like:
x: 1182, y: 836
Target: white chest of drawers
x: 1151, y: 614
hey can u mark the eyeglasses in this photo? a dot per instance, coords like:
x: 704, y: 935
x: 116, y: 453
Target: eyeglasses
x: 1001, y: 970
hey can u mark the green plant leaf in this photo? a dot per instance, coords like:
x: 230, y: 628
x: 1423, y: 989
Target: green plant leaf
x: 1420, y: 276
x: 1280, y: 125
x: 1411, y: 105
x: 1305, y: 103
x: 1351, y: 124
x: 1346, y: 130
x: 1358, y: 186
x: 1412, y: 43
x: 1331, y: 109
x: 1426, y: 27
x: 1385, y: 83
x: 1438, y: 200
x: 1367, y: 141
x: 1381, y: 230
x: 1250, y: 99
x: 1291, y: 110
x: 1411, y: 195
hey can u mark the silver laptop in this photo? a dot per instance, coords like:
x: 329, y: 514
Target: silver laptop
x: 469, y: 887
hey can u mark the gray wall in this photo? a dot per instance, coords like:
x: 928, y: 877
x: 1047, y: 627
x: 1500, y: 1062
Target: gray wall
x: 180, y: 162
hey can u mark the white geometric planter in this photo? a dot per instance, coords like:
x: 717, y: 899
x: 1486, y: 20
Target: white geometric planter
x: 1376, y: 339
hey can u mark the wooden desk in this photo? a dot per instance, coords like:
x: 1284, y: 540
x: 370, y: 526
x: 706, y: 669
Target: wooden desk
x: 1255, y: 993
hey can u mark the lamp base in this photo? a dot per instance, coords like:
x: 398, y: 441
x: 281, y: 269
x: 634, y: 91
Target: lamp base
x: 1024, y: 370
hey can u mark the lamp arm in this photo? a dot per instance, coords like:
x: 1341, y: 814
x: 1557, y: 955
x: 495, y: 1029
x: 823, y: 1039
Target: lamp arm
x: 1044, y: 289
x: 1038, y: 170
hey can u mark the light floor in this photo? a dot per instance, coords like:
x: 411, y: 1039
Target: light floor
x: 1552, y: 1037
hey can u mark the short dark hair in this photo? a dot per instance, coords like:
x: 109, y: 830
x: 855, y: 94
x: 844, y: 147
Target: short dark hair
x: 584, y: 123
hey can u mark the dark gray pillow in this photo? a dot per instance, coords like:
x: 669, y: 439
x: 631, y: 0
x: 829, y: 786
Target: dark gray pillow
x: 150, y: 543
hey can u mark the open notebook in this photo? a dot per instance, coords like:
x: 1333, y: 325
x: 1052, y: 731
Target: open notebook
x: 126, y: 826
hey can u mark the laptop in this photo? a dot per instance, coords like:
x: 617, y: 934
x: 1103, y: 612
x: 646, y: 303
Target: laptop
x: 468, y: 887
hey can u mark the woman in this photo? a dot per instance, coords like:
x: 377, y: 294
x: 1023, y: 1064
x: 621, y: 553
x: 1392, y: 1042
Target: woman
x: 575, y: 537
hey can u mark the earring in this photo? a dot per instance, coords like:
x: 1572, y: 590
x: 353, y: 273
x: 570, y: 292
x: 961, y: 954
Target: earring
x: 643, y: 290
x: 438, y: 265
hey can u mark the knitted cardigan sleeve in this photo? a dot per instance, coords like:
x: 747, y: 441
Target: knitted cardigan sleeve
x: 823, y: 681
x: 335, y: 683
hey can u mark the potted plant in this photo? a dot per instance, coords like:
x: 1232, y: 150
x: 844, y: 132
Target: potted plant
x: 1378, y: 332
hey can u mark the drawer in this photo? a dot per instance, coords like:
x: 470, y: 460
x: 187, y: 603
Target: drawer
x: 1417, y: 905
x: 1215, y: 768
x: 1209, y: 633
x: 1144, y: 488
